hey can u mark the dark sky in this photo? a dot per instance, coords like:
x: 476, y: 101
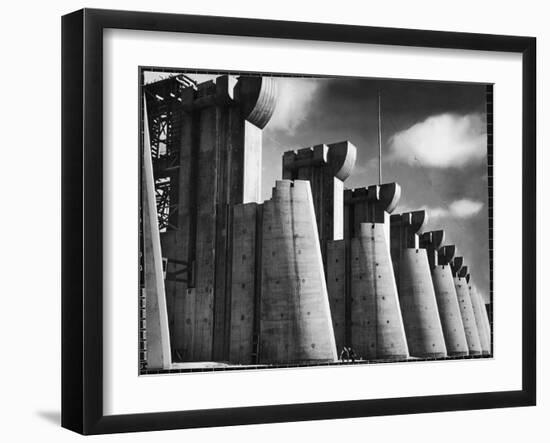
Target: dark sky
x: 433, y: 142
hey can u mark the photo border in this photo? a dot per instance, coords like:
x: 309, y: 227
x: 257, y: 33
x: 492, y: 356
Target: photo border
x: 489, y: 167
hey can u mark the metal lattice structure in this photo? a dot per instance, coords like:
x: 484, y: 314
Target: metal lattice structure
x: 163, y: 99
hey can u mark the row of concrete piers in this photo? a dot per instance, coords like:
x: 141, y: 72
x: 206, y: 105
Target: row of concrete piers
x: 294, y: 279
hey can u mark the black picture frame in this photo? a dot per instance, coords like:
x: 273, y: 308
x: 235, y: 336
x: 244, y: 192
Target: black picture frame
x: 82, y: 215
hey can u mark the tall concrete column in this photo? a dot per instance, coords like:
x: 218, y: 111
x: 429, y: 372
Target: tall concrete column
x: 377, y: 330
x: 219, y: 165
x: 295, y: 325
x: 481, y: 318
x: 445, y: 292
x: 416, y: 291
x: 466, y: 308
x: 326, y: 167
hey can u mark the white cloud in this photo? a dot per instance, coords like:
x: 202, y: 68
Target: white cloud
x: 465, y: 208
x: 458, y: 209
x: 295, y: 96
x: 442, y: 141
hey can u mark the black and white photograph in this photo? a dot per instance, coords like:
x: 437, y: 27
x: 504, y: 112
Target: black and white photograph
x: 291, y: 220
x: 266, y: 222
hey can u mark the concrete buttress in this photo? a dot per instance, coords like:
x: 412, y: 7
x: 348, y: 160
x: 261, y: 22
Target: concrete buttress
x: 445, y: 292
x: 416, y: 291
x: 295, y: 323
x: 377, y: 330
x: 480, y: 313
x: 466, y: 308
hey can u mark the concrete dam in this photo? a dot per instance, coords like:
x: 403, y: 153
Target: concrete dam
x: 230, y: 280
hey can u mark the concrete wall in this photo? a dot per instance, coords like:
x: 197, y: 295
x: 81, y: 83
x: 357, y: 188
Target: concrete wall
x: 207, y: 187
x: 184, y: 326
x: 219, y: 165
x: 419, y: 307
x: 326, y: 167
x: 377, y: 330
x: 449, y: 311
x: 336, y: 286
x: 243, y: 283
x: 445, y: 293
x: 481, y: 322
x: 295, y: 324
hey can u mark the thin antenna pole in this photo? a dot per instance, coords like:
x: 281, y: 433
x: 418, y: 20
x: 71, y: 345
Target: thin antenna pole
x: 379, y: 140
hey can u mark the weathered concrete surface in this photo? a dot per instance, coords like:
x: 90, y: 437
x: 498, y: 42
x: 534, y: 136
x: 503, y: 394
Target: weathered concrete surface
x: 416, y: 291
x: 419, y: 307
x: 487, y: 308
x: 466, y: 308
x: 243, y: 284
x: 158, y: 334
x: 184, y: 312
x: 445, y: 292
x: 295, y: 323
x: 449, y: 311
x: 207, y: 188
x: 336, y: 286
x: 481, y: 323
x: 366, y: 205
x: 403, y: 234
x: 257, y: 97
x: 218, y: 165
x: 377, y: 330
x: 326, y: 167
x: 372, y: 204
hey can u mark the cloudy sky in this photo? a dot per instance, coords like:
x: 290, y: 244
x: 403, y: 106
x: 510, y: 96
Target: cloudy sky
x: 434, y: 146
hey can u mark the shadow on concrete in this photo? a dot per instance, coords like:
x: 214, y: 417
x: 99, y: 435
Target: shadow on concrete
x: 53, y: 417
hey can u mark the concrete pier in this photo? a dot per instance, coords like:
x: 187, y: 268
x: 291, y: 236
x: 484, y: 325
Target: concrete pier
x: 326, y: 167
x: 244, y: 282
x: 215, y: 164
x: 295, y: 323
x: 481, y: 318
x: 158, y: 352
x: 466, y: 308
x: 416, y: 291
x: 376, y: 325
x: 377, y: 329
x: 445, y: 292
